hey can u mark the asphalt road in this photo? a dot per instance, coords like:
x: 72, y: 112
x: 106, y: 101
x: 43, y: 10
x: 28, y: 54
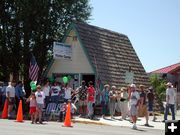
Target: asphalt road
x: 10, y: 127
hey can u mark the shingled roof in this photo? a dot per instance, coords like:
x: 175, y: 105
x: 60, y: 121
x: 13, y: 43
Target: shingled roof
x: 111, y: 55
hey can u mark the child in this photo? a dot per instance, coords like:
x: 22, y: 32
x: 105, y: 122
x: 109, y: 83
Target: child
x: 32, y: 105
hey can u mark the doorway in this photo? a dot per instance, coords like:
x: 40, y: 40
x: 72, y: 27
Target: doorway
x: 88, y: 78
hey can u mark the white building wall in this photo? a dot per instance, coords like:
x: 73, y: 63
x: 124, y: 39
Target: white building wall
x: 79, y: 62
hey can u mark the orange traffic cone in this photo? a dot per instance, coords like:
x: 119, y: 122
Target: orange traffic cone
x: 67, y: 122
x: 19, y: 117
x: 5, y: 110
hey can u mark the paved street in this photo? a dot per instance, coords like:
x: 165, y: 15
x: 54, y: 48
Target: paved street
x: 9, y: 127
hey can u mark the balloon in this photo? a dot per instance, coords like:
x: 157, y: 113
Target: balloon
x: 65, y: 79
x: 69, y: 77
x: 32, y: 83
x: 51, y: 79
x: 33, y: 87
x: 34, y: 90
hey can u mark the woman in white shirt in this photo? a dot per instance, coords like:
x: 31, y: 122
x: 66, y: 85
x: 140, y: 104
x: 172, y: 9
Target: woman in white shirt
x: 46, y: 90
x: 67, y: 92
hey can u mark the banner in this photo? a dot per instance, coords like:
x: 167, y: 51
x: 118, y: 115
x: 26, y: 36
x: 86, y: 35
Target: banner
x: 129, y: 77
x: 62, y: 51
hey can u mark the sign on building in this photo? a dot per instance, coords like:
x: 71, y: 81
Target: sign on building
x: 129, y: 77
x: 62, y: 51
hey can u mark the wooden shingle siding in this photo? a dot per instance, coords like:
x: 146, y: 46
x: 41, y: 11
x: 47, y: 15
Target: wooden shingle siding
x: 114, y: 54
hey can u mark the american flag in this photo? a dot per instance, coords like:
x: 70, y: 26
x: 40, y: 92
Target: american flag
x: 33, y: 69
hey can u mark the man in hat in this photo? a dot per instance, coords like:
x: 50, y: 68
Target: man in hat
x: 82, y: 91
x: 170, y: 101
x: 134, y: 102
x: 105, y: 100
x: 112, y: 101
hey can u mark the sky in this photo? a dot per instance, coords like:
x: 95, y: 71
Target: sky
x: 153, y: 27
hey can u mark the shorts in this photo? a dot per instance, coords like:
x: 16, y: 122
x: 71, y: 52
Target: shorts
x: 150, y: 107
x: 82, y: 102
x: 11, y: 101
x: 32, y: 110
x: 40, y: 106
x: 133, y: 110
x: 142, y: 111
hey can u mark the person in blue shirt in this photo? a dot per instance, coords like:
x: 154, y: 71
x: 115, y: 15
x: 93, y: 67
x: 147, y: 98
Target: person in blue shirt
x: 105, y: 100
x: 3, y: 93
x: 18, y: 93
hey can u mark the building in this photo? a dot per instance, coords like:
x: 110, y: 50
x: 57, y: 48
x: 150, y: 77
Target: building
x: 171, y: 74
x: 98, y: 55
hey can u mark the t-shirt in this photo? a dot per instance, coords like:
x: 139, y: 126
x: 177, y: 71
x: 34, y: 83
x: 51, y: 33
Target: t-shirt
x: 82, y: 93
x: 46, y: 90
x: 55, y: 90
x: 40, y: 97
x: 67, y: 92
x: 171, y: 93
x: 112, y: 96
x: 134, y: 98
x: 32, y: 102
x: 150, y: 97
x: 143, y: 95
x: 11, y: 91
x: 91, y: 94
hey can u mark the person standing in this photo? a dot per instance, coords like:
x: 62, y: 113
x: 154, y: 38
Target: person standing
x: 90, y: 99
x: 134, y: 102
x: 46, y: 90
x: 170, y: 101
x: 67, y: 92
x: 112, y: 101
x: 19, y: 94
x: 32, y: 106
x: 124, y: 103
x: 40, y: 97
x: 142, y: 106
x: 55, y: 91
x: 82, y: 91
x: 105, y: 100
x: 10, y: 95
x: 3, y: 92
x: 150, y: 97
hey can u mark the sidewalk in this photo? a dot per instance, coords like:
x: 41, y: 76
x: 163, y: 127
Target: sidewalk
x: 158, y: 124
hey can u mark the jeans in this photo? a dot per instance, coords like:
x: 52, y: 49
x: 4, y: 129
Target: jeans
x: 171, y: 106
x: 90, y: 109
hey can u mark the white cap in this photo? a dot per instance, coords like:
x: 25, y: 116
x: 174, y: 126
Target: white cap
x: 133, y: 85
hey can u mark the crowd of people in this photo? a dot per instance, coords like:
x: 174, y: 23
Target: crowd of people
x: 130, y: 101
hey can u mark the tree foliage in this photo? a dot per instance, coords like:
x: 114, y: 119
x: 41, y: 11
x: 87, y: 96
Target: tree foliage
x: 159, y: 86
x: 31, y: 26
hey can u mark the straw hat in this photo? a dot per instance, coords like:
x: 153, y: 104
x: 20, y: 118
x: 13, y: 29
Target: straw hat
x: 113, y: 87
x: 133, y: 85
x: 123, y: 89
x: 106, y: 85
x: 169, y: 84
x: 39, y: 87
x: 140, y: 86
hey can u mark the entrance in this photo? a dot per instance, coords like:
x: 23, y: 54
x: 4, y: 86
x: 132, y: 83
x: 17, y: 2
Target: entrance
x: 88, y: 78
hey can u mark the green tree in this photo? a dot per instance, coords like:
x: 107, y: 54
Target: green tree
x: 31, y: 26
x: 159, y: 85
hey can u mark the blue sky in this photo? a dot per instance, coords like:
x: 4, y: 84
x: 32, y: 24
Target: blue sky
x: 153, y: 27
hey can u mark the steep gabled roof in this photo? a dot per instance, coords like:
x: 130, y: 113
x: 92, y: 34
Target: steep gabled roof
x: 168, y: 69
x: 111, y: 54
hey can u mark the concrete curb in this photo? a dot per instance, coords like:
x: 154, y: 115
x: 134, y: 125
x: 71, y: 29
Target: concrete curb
x: 90, y: 122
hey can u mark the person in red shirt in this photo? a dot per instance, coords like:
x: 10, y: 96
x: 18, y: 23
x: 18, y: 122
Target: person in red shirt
x: 90, y: 99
